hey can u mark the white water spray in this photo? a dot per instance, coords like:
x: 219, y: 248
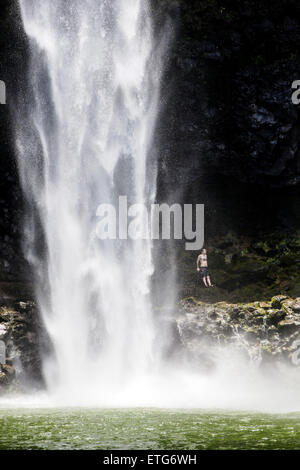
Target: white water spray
x: 94, y: 80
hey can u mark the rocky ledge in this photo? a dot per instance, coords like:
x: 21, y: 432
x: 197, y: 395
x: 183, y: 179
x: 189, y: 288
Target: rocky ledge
x: 265, y: 331
x: 20, y: 337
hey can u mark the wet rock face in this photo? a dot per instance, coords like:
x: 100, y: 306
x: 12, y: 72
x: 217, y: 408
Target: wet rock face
x: 7, y: 376
x: 264, y: 333
x: 232, y: 69
x: 13, y: 70
x: 229, y: 139
x: 23, y: 336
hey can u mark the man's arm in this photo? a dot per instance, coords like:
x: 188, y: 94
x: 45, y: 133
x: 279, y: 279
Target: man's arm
x: 198, y: 261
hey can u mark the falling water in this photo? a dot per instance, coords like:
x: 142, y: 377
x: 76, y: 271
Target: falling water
x: 86, y: 137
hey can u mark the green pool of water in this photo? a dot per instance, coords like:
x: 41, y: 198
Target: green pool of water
x: 146, y: 429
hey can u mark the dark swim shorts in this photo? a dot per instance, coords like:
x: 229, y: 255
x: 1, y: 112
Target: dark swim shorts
x: 204, y: 272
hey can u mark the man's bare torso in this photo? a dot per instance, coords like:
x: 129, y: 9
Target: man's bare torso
x: 202, y: 260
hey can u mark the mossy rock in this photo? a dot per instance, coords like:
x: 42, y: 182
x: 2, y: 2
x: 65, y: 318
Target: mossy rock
x: 264, y: 305
x: 277, y: 316
x: 260, y: 312
x: 288, y: 327
x: 4, y: 380
x: 277, y: 300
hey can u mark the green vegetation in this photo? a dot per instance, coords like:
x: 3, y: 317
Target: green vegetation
x: 245, y: 269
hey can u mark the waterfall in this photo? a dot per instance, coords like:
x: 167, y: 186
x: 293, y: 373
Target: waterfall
x: 85, y: 137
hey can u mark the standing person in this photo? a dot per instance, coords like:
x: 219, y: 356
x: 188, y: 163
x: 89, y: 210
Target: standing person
x: 202, y: 267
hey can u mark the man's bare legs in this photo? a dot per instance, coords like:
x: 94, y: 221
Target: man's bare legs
x: 207, y: 282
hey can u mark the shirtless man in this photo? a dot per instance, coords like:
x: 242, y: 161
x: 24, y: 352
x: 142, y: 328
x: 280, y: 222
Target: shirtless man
x: 202, y: 267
